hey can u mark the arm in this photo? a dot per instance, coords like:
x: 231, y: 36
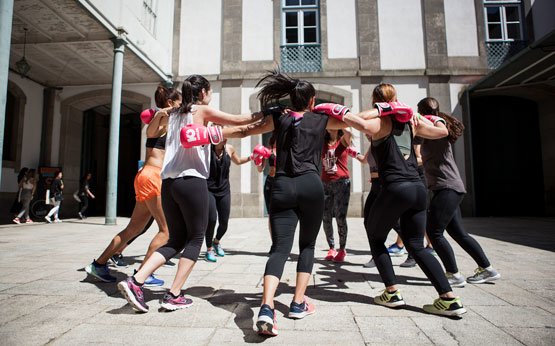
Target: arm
x: 336, y: 124
x: 367, y: 122
x: 427, y: 129
x: 235, y: 157
x: 263, y: 125
x: 216, y: 116
x: 158, y: 123
x: 90, y: 193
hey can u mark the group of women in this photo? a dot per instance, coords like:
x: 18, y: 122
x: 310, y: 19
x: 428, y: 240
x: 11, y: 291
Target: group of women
x: 192, y: 174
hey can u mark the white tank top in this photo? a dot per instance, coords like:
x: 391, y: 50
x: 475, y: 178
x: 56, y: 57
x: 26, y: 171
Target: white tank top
x: 181, y: 162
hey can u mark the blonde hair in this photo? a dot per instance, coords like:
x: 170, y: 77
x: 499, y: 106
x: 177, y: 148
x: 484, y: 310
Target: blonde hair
x: 384, y: 92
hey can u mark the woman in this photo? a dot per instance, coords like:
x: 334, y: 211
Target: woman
x: 16, y: 205
x: 56, y: 188
x: 402, y: 196
x: 448, y: 191
x: 184, y: 195
x: 220, y: 195
x: 84, y: 194
x: 337, y: 189
x: 147, y: 193
x: 27, y: 187
x: 297, y: 193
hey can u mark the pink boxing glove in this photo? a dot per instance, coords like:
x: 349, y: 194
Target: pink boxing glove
x: 260, y: 153
x: 331, y: 109
x: 400, y: 111
x: 435, y: 119
x: 352, y: 152
x: 147, y: 115
x: 193, y: 135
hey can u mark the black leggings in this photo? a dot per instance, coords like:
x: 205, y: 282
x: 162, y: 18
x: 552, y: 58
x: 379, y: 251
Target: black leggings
x: 375, y: 189
x: 185, y: 204
x: 405, y: 201
x: 336, y: 204
x: 268, y: 184
x: 84, y: 203
x: 220, y: 207
x: 295, y: 199
x: 445, y: 214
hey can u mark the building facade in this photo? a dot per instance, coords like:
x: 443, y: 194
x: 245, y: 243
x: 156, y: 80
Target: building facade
x: 438, y: 48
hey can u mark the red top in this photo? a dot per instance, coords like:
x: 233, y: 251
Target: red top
x: 334, y: 162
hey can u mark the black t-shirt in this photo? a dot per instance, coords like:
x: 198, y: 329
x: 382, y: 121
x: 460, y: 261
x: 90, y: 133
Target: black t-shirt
x: 83, y: 187
x: 392, y: 166
x: 299, y: 143
x: 56, y: 189
x: 218, y: 181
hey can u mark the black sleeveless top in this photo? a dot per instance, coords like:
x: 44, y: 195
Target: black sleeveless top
x: 272, y: 160
x: 218, y: 180
x: 156, y: 142
x: 299, y: 143
x: 392, y: 166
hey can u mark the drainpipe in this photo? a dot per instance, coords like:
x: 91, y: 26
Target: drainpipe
x: 113, y: 142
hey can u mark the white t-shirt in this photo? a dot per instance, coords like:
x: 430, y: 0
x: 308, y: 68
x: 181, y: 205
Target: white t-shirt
x: 181, y: 162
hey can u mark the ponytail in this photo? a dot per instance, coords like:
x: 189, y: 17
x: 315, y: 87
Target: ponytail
x: 276, y: 86
x: 191, y: 91
x: 430, y: 106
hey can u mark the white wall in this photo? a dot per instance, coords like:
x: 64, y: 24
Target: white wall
x: 410, y: 90
x: 401, y: 34
x: 543, y: 15
x: 342, y: 29
x: 460, y: 27
x: 32, y: 130
x: 129, y: 15
x: 201, y: 37
x: 456, y: 90
x: 258, y: 30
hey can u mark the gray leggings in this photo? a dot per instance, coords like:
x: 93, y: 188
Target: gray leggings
x: 336, y: 204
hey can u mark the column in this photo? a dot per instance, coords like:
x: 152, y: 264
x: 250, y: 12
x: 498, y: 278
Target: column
x: 6, y: 14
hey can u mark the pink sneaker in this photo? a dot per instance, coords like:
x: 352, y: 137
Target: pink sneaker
x: 331, y: 255
x: 171, y: 303
x: 29, y: 221
x: 134, y: 294
x: 340, y: 257
x: 17, y: 220
x: 301, y: 310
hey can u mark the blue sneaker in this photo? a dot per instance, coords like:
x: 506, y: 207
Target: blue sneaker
x: 211, y: 256
x: 267, y: 323
x: 152, y: 280
x: 396, y: 251
x: 301, y: 310
x: 101, y: 272
x: 219, y: 251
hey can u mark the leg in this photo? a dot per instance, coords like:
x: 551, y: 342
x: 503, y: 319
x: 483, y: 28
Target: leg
x: 212, y: 218
x: 467, y: 242
x: 26, y: 206
x: 85, y: 202
x: 341, y: 206
x: 161, y: 238
x: 223, y: 205
x: 328, y: 214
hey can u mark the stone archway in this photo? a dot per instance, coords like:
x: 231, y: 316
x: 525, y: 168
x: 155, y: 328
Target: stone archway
x: 71, y: 129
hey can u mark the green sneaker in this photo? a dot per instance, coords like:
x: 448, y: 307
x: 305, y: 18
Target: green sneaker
x: 391, y: 300
x: 211, y: 256
x: 219, y: 251
x: 445, y: 307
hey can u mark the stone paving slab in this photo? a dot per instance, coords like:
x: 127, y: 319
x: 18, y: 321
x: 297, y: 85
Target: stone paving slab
x: 47, y: 298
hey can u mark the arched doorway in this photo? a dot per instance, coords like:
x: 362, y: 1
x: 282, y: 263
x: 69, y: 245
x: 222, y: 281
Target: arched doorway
x: 84, y: 146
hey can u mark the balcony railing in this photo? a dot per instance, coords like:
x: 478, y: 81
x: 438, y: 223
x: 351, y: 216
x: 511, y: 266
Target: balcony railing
x: 499, y: 52
x: 301, y: 58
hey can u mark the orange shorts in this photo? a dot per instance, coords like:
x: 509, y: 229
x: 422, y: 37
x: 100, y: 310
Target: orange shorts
x: 148, y: 183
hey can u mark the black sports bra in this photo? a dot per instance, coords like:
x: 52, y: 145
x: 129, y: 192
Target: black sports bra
x: 156, y: 142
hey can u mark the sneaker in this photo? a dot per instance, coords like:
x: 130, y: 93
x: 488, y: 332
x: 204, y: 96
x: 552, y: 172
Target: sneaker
x: 80, y: 215
x: 482, y: 275
x: 57, y: 220
x: 331, y: 255
x: 445, y: 307
x: 29, y: 221
x: 301, y: 310
x: 370, y: 264
x: 219, y: 251
x: 47, y: 218
x: 152, y: 280
x: 171, y: 303
x: 455, y: 279
x: 169, y: 264
x: 117, y: 260
x: 396, y: 251
x: 211, y: 256
x: 133, y: 293
x: 16, y: 220
x: 101, y: 272
x: 267, y: 321
x: 391, y: 300
x: 340, y: 257
x: 408, y: 263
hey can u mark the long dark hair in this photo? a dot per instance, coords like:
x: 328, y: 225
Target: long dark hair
x: 163, y: 94
x: 21, y: 174
x: 384, y: 92
x: 191, y: 91
x: 430, y: 106
x: 276, y: 85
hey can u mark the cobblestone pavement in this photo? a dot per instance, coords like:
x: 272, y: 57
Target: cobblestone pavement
x: 46, y: 297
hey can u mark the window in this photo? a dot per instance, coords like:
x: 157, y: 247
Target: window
x: 503, y: 20
x: 300, y: 36
x: 149, y: 15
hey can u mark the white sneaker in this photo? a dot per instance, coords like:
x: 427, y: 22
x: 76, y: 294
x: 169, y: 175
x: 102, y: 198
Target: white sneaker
x: 47, y: 218
x: 482, y: 275
x: 370, y: 264
x: 57, y: 220
x: 455, y: 279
